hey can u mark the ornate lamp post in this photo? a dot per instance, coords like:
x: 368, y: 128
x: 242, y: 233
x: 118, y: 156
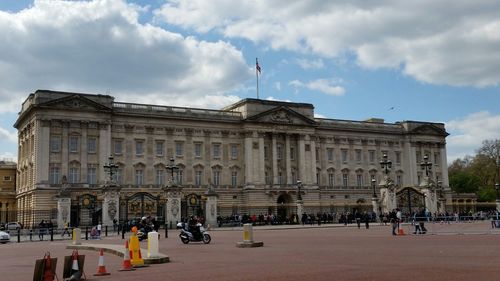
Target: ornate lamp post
x: 373, y: 187
x: 299, y: 192
x: 111, y: 168
x: 111, y: 190
x: 386, y: 165
x: 300, y: 205
x: 426, y: 165
x: 172, y: 167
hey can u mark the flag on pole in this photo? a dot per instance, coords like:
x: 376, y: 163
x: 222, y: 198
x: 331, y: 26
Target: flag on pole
x: 257, y: 65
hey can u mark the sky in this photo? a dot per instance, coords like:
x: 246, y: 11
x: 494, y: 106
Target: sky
x: 424, y: 60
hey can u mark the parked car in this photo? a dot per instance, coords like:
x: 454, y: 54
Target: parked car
x: 4, y: 237
x: 12, y: 226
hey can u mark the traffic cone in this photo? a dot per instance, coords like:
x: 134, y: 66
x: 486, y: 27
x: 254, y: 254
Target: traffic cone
x: 101, y: 269
x: 126, y: 266
x: 75, y: 271
x: 48, y: 275
x: 401, y: 232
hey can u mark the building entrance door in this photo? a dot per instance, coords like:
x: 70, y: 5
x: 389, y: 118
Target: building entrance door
x: 141, y: 204
x: 410, y: 200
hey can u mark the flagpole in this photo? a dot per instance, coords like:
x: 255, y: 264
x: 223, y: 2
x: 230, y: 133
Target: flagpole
x: 257, y: 75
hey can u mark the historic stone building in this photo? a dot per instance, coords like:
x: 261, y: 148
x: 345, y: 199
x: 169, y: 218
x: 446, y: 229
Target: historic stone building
x: 249, y: 157
x: 8, y: 171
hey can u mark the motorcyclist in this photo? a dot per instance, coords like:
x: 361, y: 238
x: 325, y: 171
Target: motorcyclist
x: 193, y: 227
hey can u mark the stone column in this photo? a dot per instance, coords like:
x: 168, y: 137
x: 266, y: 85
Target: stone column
x: 63, y: 211
x: 262, y: 163
x: 301, y: 159
x: 274, y: 159
x: 211, y: 207
x: 312, y: 172
x: 288, y: 162
x: 248, y: 158
x: 173, y: 210
x: 110, y: 207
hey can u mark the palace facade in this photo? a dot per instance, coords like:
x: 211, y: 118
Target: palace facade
x: 252, y: 155
x: 8, y: 171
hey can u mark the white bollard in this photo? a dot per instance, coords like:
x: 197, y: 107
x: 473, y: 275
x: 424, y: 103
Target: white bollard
x: 77, y: 236
x: 153, y: 246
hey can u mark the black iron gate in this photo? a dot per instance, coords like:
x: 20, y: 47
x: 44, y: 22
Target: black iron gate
x: 410, y: 200
x: 87, y: 211
x: 142, y: 204
x: 192, y: 206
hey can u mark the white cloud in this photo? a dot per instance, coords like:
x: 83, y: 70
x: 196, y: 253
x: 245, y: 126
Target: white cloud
x: 468, y: 133
x: 321, y: 85
x: 310, y: 64
x: 452, y: 42
x: 277, y: 85
x: 100, y: 45
x: 6, y: 135
x: 275, y: 99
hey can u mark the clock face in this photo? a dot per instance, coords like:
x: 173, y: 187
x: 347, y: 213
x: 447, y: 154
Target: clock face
x: 193, y: 201
x: 86, y: 202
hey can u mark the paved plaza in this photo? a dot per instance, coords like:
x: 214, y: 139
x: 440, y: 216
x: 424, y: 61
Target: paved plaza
x: 463, y: 251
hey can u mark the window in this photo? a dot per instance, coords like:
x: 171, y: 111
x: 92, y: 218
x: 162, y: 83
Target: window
x: 159, y: 148
x: 216, y: 176
x: 118, y: 146
x: 54, y: 175
x: 419, y: 157
x: 74, y: 174
x: 267, y: 178
x: 234, y: 178
x: 359, y: 180
x: 358, y: 155
x: 91, y: 145
x: 294, y: 178
x: 419, y: 178
x: 119, y: 176
x: 179, y: 177
x: 279, y: 151
x: 398, y: 180
x: 139, y: 177
x: 436, y: 158
x: 7, y: 178
x: 216, y: 150
x: 345, y: 179
x: 91, y: 174
x: 331, y: 179
x: 317, y: 178
x: 139, y: 147
x: 280, y: 178
x: 329, y: 154
x: 371, y: 155
x: 292, y: 153
x: 55, y: 144
x: 179, y: 149
x: 198, y: 178
x: 197, y: 150
x: 266, y: 152
x: 317, y: 155
x: 398, y: 157
x: 73, y: 144
x: 344, y: 155
x: 160, y: 177
x: 234, y: 151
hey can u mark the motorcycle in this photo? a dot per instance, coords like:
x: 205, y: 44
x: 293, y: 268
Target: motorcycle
x: 197, y: 235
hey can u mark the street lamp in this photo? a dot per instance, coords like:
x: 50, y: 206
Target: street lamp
x: 373, y: 186
x: 426, y: 165
x: 111, y: 168
x: 385, y: 164
x: 172, y: 167
x: 299, y: 187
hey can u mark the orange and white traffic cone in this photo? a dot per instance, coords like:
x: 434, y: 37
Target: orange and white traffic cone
x: 401, y: 232
x: 101, y: 269
x: 48, y: 275
x: 127, y: 266
x: 75, y: 271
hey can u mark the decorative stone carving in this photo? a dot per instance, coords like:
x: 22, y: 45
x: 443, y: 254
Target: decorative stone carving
x: 281, y: 116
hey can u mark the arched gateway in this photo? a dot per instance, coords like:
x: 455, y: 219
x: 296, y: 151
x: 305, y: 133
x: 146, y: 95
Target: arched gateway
x: 284, y: 206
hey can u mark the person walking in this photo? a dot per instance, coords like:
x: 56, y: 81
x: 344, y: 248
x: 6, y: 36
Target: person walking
x: 393, y: 219
x: 357, y: 215
x: 41, y: 230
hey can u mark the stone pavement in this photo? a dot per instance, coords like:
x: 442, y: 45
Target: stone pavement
x: 452, y: 252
